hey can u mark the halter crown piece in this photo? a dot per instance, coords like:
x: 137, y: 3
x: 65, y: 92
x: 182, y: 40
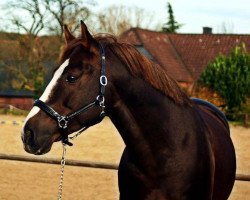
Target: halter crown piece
x: 62, y: 121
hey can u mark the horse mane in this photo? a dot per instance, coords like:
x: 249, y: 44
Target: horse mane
x: 140, y: 66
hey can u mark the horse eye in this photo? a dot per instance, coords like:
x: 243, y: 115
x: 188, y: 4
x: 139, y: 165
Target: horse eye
x: 71, y: 79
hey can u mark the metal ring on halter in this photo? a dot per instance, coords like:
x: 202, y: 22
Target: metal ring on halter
x: 103, y: 80
x: 62, y: 122
x: 101, y: 100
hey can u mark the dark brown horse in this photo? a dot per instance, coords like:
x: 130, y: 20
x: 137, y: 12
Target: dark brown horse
x: 176, y: 148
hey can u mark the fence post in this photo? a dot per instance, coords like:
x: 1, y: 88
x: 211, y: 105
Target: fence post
x: 246, y: 120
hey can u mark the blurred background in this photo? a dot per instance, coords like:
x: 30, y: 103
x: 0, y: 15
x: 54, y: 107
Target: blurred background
x: 204, y: 46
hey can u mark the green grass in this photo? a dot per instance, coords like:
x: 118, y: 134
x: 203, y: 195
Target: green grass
x: 236, y: 123
x: 16, y: 112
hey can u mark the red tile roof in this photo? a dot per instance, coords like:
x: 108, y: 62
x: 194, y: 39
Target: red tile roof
x: 184, y: 56
x: 160, y: 47
x: 197, y: 50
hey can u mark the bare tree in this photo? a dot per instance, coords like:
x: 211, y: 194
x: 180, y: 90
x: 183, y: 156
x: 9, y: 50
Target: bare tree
x: 117, y: 19
x: 27, y: 9
x: 66, y: 12
x: 33, y: 16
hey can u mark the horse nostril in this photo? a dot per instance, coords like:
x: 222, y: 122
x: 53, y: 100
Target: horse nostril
x: 28, y: 135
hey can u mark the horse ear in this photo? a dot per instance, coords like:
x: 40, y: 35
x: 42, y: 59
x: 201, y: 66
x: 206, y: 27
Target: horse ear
x: 67, y: 34
x: 85, y: 35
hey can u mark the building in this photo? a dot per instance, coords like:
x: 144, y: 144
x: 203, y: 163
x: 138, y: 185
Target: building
x: 19, y: 99
x: 183, y: 56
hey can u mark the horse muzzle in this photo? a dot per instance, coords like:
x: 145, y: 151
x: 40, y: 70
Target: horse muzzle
x: 32, y: 144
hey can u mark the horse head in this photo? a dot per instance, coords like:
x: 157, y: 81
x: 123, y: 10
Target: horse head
x: 78, y: 85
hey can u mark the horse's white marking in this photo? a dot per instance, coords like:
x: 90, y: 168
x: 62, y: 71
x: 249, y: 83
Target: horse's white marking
x: 48, y: 90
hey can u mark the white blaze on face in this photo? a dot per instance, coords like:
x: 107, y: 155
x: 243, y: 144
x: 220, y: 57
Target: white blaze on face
x: 48, y: 89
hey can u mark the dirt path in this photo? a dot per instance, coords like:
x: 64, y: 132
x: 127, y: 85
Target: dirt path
x: 22, y: 181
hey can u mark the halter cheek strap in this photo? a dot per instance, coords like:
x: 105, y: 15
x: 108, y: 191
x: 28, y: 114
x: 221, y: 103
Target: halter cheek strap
x: 62, y: 121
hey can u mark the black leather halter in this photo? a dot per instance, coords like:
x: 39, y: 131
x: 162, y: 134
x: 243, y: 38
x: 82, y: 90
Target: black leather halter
x: 99, y: 101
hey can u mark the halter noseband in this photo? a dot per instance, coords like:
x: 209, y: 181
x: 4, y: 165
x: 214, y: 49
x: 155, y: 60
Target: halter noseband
x: 99, y: 101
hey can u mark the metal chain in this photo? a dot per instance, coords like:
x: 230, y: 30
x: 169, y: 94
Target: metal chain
x: 63, y: 161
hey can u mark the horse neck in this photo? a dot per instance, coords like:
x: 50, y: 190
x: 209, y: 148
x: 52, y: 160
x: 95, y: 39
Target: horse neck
x: 142, y: 116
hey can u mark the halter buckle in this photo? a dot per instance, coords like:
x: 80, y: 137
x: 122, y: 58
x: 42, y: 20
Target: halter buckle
x: 62, y: 122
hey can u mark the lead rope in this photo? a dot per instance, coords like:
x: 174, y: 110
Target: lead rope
x: 63, y: 161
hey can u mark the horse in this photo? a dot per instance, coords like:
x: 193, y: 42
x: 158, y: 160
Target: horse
x: 177, y: 148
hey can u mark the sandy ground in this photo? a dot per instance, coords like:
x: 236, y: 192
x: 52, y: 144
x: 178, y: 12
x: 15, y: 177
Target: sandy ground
x: 22, y: 181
